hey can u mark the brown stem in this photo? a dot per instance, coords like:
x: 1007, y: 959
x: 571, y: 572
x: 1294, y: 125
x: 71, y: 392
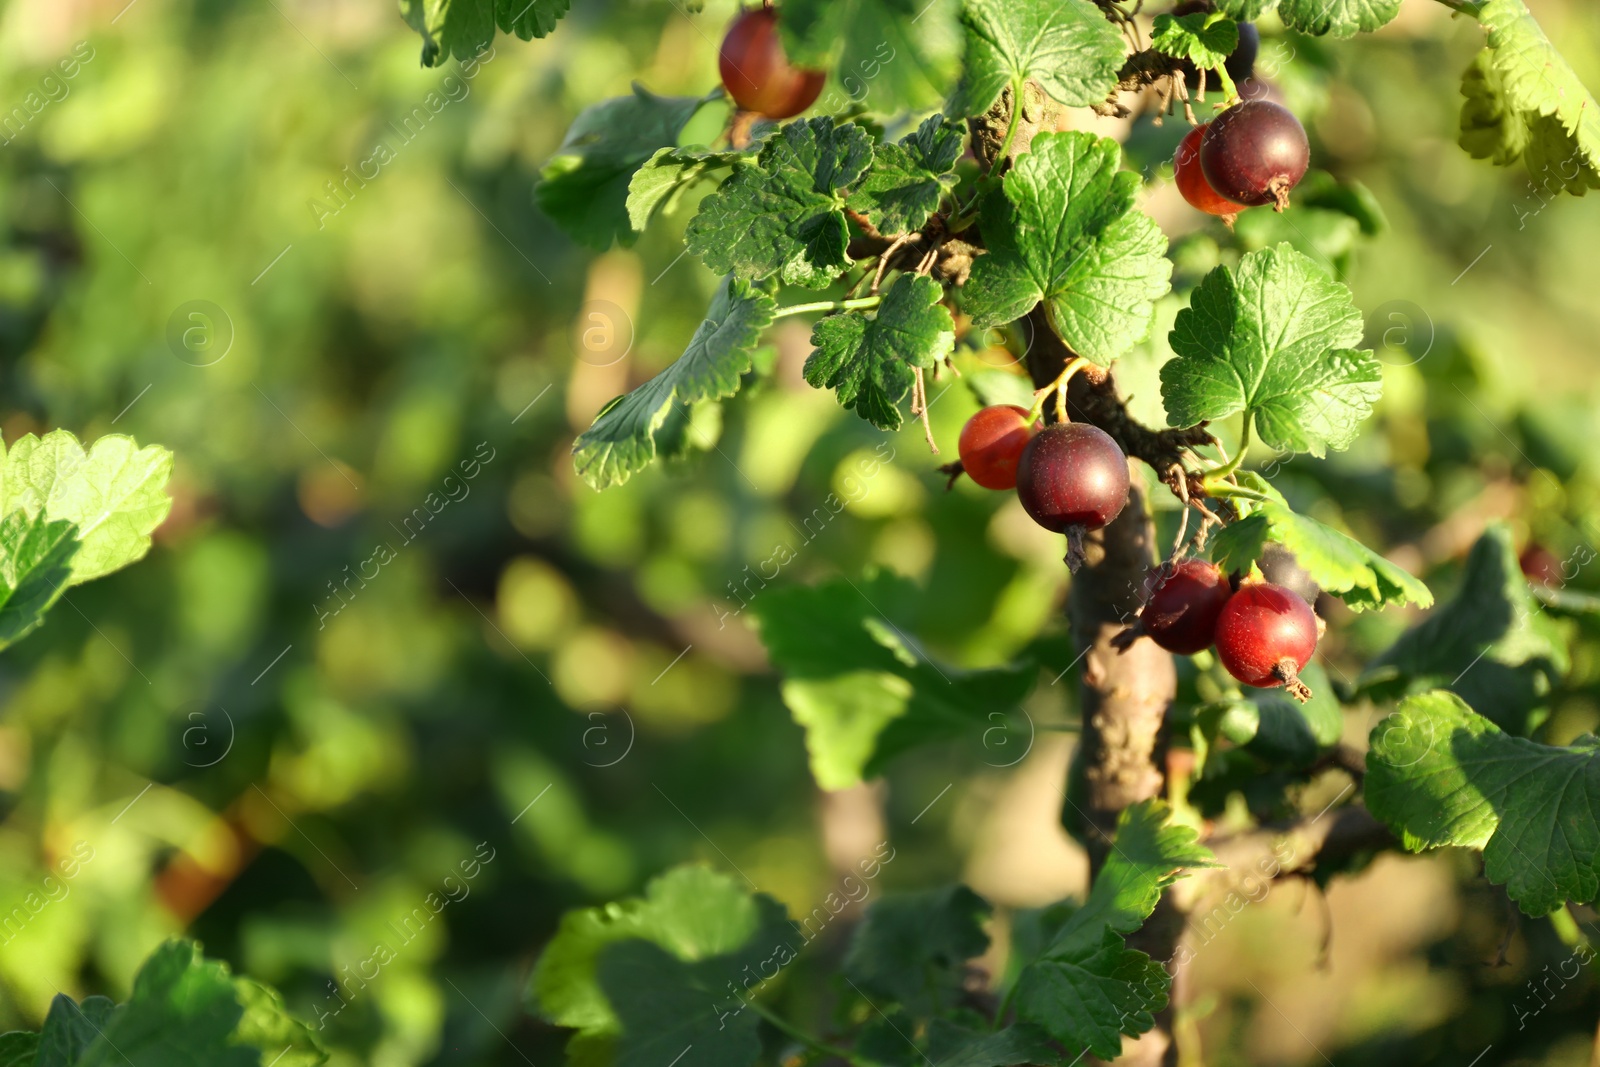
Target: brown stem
x: 1287, y: 672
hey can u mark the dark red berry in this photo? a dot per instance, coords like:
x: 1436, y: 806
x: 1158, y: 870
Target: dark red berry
x: 991, y: 444
x: 1072, y: 475
x: 1181, y: 614
x: 1265, y: 636
x: 757, y: 73
x: 1540, y: 565
x: 1254, y: 153
x: 1241, y: 62
x: 1192, y: 181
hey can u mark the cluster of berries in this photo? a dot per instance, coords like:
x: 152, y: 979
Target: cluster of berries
x: 1071, y: 477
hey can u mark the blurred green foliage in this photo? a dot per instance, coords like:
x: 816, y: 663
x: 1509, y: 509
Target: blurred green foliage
x: 386, y: 627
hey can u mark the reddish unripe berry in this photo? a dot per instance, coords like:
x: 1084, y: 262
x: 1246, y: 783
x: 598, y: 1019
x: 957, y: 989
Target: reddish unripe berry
x: 1254, y: 153
x: 1181, y: 614
x: 757, y: 73
x: 1266, y: 635
x: 1192, y: 180
x: 1072, y: 475
x: 991, y: 444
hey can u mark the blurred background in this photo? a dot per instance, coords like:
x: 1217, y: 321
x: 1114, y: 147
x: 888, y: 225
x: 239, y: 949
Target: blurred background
x: 387, y: 638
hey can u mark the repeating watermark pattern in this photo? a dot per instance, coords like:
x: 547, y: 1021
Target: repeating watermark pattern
x: 342, y: 189
x: 453, y: 489
x: 200, y: 333
x: 53, y: 88
x: 855, y: 80
x: 1580, y: 958
x: 997, y: 738
x: 1401, y: 333
x: 52, y: 890
x: 1252, y: 887
x: 852, y: 891
x: 598, y: 742
x: 855, y: 488
x: 602, y: 334
x: 208, y: 734
x: 406, y: 929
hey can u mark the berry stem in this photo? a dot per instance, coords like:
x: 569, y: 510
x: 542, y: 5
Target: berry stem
x: 1287, y: 673
x: 1059, y: 387
x: 828, y: 305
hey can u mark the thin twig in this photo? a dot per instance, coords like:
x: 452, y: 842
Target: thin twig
x: 883, y: 260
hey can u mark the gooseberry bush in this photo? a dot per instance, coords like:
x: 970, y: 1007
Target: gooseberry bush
x: 920, y: 196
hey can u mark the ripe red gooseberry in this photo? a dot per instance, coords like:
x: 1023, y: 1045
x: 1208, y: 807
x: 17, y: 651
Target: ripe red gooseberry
x: 991, y: 444
x: 1265, y: 636
x: 1254, y: 153
x: 1181, y: 614
x: 1072, y: 477
x: 1192, y: 182
x: 757, y: 73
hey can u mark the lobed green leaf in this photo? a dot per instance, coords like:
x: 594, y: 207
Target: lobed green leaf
x: 626, y: 434
x: 866, y: 357
x: 1441, y: 774
x: 1065, y: 232
x: 585, y: 187
x: 1273, y: 338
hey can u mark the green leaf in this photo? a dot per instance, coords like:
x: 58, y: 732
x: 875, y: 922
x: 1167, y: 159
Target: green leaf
x: 862, y: 689
x: 693, y: 912
x: 908, y: 179
x: 1493, y: 644
x: 1491, y: 128
x: 465, y: 28
x: 1272, y: 726
x: 1067, y: 46
x: 19, y: 1048
x: 891, y: 55
x: 1441, y: 774
x: 1088, y: 988
x: 995, y: 386
x: 70, y: 1028
x: 115, y: 494
x: 1273, y: 338
x: 1337, y: 18
x: 783, y: 213
x: 35, y: 569
x: 1092, y: 997
x: 651, y: 977
x: 623, y: 439
x: 1244, y: 10
x: 1204, y: 38
x: 1066, y: 232
x: 185, y: 1009
x: 1337, y: 562
x: 912, y: 948
x: 1524, y: 98
x: 268, y: 1025
x: 952, y: 1045
x: 866, y: 357
x: 660, y: 183
x: 585, y: 188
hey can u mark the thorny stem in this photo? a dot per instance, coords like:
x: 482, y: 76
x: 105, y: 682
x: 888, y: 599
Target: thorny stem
x: 828, y: 305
